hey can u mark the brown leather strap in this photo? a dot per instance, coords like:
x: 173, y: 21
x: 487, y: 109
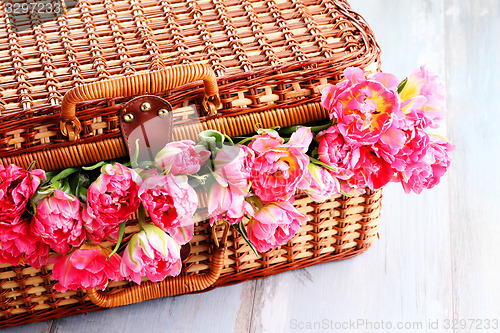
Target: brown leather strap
x: 140, y: 84
x: 146, y: 121
x: 171, y: 286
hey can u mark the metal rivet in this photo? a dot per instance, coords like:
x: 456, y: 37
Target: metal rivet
x: 162, y: 113
x: 128, y: 118
x: 145, y: 107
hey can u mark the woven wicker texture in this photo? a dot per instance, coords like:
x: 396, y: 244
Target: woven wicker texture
x: 339, y: 228
x: 271, y: 59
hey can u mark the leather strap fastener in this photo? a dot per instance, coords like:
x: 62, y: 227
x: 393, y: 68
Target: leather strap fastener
x: 139, y: 84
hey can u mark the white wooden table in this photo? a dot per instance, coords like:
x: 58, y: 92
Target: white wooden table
x: 438, y: 257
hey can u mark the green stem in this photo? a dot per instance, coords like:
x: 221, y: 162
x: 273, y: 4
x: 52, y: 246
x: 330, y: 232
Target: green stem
x: 324, y: 165
x: 262, y: 130
x: 346, y: 194
x: 95, y: 166
x: 32, y: 165
x: 229, y: 139
x: 245, y: 140
x: 145, y: 165
x: 249, y: 186
x: 240, y: 227
x: 255, y: 202
x: 134, y: 159
x: 120, y: 238
x: 141, y: 216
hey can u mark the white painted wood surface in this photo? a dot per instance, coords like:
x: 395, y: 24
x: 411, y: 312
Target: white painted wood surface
x: 438, y: 257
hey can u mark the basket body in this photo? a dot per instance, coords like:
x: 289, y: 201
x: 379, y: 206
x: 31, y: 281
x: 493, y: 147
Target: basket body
x: 271, y: 60
x: 339, y: 228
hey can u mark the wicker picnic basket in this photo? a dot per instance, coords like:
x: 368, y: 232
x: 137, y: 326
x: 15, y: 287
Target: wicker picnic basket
x: 66, y: 82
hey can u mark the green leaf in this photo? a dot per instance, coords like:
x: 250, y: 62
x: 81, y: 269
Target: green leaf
x: 32, y: 165
x: 79, y: 183
x: 81, y: 194
x: 64, y: 174
x: 95, y: 166
x: 53, y: 186
x: 49, y: 175
x: 319, y: 128
x: 133, y: 160
x: 261, y: 131
x: 324, y: 165
x: 315, y: 152
x: 212, y: 140
x: 84, y: 180
x: 74, y: 181
x: 141, y: 216
x: 290, y: 129
x: 33, y: 206
x: 240, y: 227
x: 212, y: 136
x: 120, y: 237
x: 201, y: 179
x: 402, y: 85
x: 314, y: 129
x: 65, y: 186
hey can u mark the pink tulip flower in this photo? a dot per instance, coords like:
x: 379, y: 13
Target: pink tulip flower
x: 17, y: 186
x: 87, y: 267
x: 111, y: 199
x: 274, y: 225
x: 181, y: 157
x: 58, y: 221
x: 364, y: 107
x: 171, y: 203
x: 278, y: 167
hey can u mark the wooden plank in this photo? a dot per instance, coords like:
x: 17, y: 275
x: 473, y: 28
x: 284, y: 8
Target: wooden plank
x: 404, y: 277
x: 214, y: 311
x: 473, y: 74
x: 31, y: 328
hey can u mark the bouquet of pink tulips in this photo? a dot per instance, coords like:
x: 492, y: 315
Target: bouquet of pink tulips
x: 378, y: 133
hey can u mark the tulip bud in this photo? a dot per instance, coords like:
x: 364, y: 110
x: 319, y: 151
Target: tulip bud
x: 319, y: 184
x: 152, y: 253
x: 181, y: 157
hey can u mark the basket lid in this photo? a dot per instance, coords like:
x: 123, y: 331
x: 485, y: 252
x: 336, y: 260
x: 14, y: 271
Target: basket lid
x: 266, y: 54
